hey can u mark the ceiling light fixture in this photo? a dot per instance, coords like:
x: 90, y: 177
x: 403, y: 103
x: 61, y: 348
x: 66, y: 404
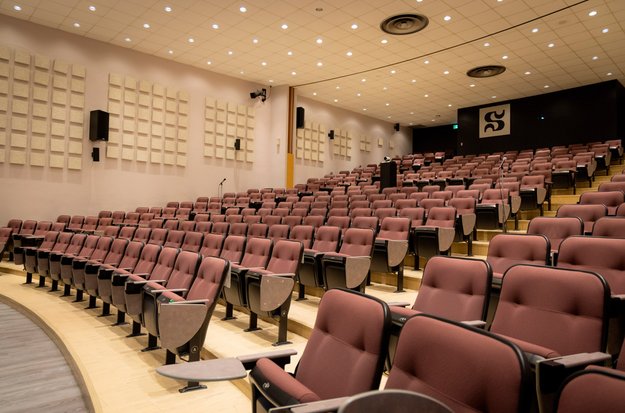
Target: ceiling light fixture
x: 447, y: 18
x: 595, y: 57
x: 446, y: 72
x: 191, y: 40
x: 319, y: 64
x: 349, y: 54
x: 354, y: 26
x: 128, y: 39
x: 284, y: 26
x: 76, y: 25
x: 550, y: 45
x: 535, y: 30
x: 17, y: 7
x: 319, y: 40
x: 486, y: 71
x: 168, y: 9
x: 146, y: 25
x: 427, y: 62
x: 402, y: 24
x: 605, y: 30
x: 92, y: 8
x: 486, y: 44
x: 289, y: 53
x: 208, y: 62
x: 263, y: 63
x: 336, y: 100
x: 593, y: 13
x: 293, y: 73
x: 255, y: 40
x: 609, y: 74
x: 546, y: 86
x: 528, y: 73
x: 504, y: 57
x: 384, y: 41
x: 426, y: 96
x: 215, y: 26
x: 243, y: 9
x: 230, y: 52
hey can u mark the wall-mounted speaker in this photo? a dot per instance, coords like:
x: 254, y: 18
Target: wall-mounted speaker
x: 331, y: 134
x: 396, y: 127
x: 95, y: 154
x: 237, y: 144
x: 299, y: 117
x: 98, y: 125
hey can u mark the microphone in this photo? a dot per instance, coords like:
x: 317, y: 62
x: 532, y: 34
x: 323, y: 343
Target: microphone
x: 502, y: 161
x: 224, y: 180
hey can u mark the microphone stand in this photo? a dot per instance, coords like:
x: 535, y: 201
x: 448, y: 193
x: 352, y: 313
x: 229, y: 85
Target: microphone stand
x: 503, y: 209
x: 220, y: 188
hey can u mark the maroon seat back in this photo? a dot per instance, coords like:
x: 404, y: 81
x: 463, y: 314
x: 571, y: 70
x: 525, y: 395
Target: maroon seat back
x: 357, y: 242
x: 394, y: 228
x: 103, y: 246
x: 90, y: 223
x: 405, y: 203
x: 49, y: 240
x: 28, y: 227
x: 115, y: 252
x: 611, y: 227
x: 131, y: 255
x: 192, y: 241
x: 174, y: 239
x: 382, y: 213
x: 455, y: 288
x: 506, y: 250
x: 118, y: 217
x: 186, y: 226
x: 171, y: 224
x: 592, y: 390
x: 126, y: 232
x: 611, y: 199
x: 158, y: 236
x: 184, y: 270
x: 441, y: 217
x: 63, y: 242
x: 612, y: 186
x: 147, y: 260
x: 278, y: 231
x: 42, y: 227
x: 462, y: 205
x: 365, y: 222
x: 587, y: 213
x: 285, y: 257
x: 164, y: 265
x: 556, y: 229
x: 258, y: 230
x: 220, y: 228
x: 233, y: 248
x: 598, y: 254
x: 76, y: 222
x: 559, y: 309
x: 345, y: 352
x: 257, y: 253
x: 303, y: 234
x: 142, y: 234
x: 212, y: 245
x: 434, y: 357
x: 414, y: 214
x: 156, y: 223
x: 209, y: 280
x: 131, y: 218
x: 76, y: 245
x: 327, y: 239
x: 203, y: 226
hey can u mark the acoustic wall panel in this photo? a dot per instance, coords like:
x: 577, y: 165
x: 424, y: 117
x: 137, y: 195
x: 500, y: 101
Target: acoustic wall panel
x: 224, y: 123
x: 39, y: 120
x: 150, y: 119
x: 309, y: 143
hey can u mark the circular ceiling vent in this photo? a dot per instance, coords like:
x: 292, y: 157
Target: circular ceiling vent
x: 404, y: 24
x: 486, y: 71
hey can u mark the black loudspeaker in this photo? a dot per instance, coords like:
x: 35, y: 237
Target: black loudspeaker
x: 95, y: 154
x: 299, y: 118
x: 237, y: 144
x: 396, y: 127
x: 99, y: 125
x: 331, y: 134
x: 388, y: 174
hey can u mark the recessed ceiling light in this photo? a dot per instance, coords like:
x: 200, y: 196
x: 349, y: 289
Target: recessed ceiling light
x: 349, y: 54
x: 170, y: 51
x: 413, y: 81
x: 447, y: 18
x: 446, y: 72
x: 393, y: 71
x: 551, y: 45
x: 387, y: 104
x: 128, y: 39
x: 358, y: 94
x: 230, y: 52
x: 215, y: 26
x: 354, y: 26
x: 546, y: 86
x: 263, y: 63
x: 384, y: 41
x: 168, y: 9
x: 427, y: 62
x: 449, y: 105
x: 411, y: 122
x: 314, y: 93
x: 289, y: 53
x: 146, y: 25
x: 242, y: 72
x: 270, y: 80
x: 595, y: 57
x: 364, y: 109
x: 336, y: 100
x: 284, y: 26
x: 92, y: 8
x: 472, y: 85
x: 208, y: 62
x: 605, y: 30
x: 592, y: 13
x: 426, y: 96
x: 17, y: 8
x: 388, y: 117
x: 255, y: 40
x: 412, y: 113
x: 528, y: 73
x: 609, y: 74
x: 76, y: 24
x: 486, y: 44
x: 384, y: 88
x: 363, y: 80
x: 494, y: 97
x: 319, y: 40
x: 191, y: 40
x: 319, y: 64
x: 433, y: 120
x: 504, y: 57
x: 535, y: 30
x: 293, y: 73
x: 243, y: 9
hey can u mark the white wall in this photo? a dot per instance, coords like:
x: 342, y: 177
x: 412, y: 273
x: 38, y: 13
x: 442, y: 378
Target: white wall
x: 359, y: 125
x: 44, y: 193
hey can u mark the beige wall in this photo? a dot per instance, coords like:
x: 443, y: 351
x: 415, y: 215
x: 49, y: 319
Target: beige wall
x: 43, y: 193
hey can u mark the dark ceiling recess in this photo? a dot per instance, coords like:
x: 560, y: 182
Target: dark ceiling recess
x: 401, y: 24
x: 486, y: 71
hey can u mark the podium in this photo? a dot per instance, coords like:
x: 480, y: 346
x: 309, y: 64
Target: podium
x: 388, y: 175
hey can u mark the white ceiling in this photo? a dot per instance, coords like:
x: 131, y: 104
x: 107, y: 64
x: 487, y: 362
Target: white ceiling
x: 416, y: 93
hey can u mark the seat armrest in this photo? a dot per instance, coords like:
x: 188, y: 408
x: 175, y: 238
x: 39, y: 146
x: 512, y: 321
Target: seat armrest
x: 201, y: 301
x: 171, y: 290
x: 321, y: 406
x: 475, y: 323
x: 551, y: 373
x: 280, y: 357
x: 119, y: 280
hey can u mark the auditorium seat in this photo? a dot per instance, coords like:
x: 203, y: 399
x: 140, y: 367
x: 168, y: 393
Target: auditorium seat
x: 158, y: 236
x: 154, y: 223
x: 495, y: 208
x: 258, y: 230
x: 349, y: 267
x: 179, y: 281
x: 192, y: 241
x: 611, y: 199
x: 390, y: 248
x: 6, y: 237
x: 118, y: 217
x: 382, y: 213
x: 55, y: 258
x: 142, y: 234
x: 303, y: 234
x: 533, y: 192
x: 343, y: 356
x: 436, y: 236
x: 269, y: 290
x: 592, y: 390
x: 256, y: 255
x: 171, y: 224
x: 556, y: 230
x: 220, y: 227
x: 29, y: 256
x: 89, y: 273
x: 327, y: 239
x: 233, y: 248
x: 587, y: 213
x: 506, y: 250
x: 186, y: 226
x: 174, y: 239
x: 42, y: 257
x: 78, y: 263
x: 368, y: 222
x: 271, y: 220
x: 75, y: 223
